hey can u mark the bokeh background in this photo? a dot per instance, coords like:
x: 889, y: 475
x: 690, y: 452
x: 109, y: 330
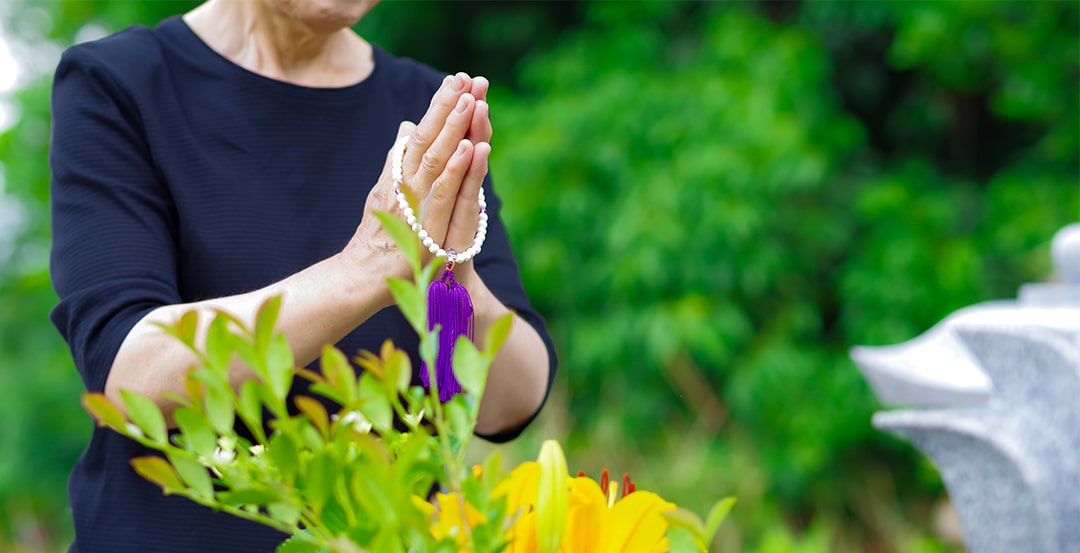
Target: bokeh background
x: 711, y: 203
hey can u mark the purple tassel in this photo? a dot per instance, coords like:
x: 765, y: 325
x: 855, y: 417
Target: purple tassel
x: 450, y: 307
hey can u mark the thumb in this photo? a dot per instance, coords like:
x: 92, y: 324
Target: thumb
x: 406, y: 128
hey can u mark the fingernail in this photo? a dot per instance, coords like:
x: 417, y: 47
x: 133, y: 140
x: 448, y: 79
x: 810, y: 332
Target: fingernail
x: 461, y: 148
x: 456, y: 83
x: 462, y: 103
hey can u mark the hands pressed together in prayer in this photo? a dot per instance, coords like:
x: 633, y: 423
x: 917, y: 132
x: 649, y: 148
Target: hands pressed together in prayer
x: 446, y: 160
x: 445, y: 163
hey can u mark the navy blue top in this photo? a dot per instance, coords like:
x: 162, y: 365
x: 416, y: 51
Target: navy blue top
x: 179, y: 176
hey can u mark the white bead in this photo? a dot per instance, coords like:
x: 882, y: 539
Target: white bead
x: 416, y: 227
x: 410, y: 219
x: 433, y: 248
x: 422, y: 234
x: 428, y: 242
x: 483, y: 217
x: 439, y: 252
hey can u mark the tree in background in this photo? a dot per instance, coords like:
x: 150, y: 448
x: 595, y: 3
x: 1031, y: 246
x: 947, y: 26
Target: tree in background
x: 711, y: 203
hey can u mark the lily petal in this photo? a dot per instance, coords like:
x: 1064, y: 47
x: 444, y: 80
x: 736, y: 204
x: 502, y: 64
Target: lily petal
x: 586, y: 526
x: 636, y: 524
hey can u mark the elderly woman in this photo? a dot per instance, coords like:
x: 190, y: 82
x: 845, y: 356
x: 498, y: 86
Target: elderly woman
x: 223, y: 158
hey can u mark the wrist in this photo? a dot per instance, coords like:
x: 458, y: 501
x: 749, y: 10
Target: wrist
x: 363, y: 279
x: 486, y: 306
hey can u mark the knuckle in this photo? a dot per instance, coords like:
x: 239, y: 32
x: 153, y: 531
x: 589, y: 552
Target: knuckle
x: 445, y: 100
x: 420, y: 138
x: 429, y: 163
x: 438, y: 191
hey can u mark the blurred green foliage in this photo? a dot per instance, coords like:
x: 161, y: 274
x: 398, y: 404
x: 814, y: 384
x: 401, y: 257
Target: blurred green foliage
x: 711, y: 202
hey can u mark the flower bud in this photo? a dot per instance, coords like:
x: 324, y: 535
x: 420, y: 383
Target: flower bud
x: 552, y: 499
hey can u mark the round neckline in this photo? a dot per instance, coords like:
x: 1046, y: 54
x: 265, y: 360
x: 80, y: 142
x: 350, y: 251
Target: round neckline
x: 234, y: 69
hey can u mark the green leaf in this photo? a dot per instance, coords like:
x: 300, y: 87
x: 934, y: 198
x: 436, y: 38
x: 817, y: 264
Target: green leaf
x: 280, y: 367
x: 198, y: 436
x: 298, y: 544
x: 158, y: 471
x: 315, y: 412
x: 194, y: 388
x: 250, y: 406
x: 104, y: 412
x: 403, y: 236
x: 686, y: 519
x: 470, y: 367
x: 256, y: 361
x: 194, y: 476
x: 283, y: 452
x: 410, y: 301
x: 492, y: 472
x: 318, y: 484
x: 716, y: 517
x: 457, y: 414
x: 339, y: 374
x: 220, y: 410
x: 333, y: 515
x: 681, y: 540
x: 497, y: 333
x: 387, y: 544
x: 187, y: 327
x: 398, y: 371
x: 368, y: 487
x: 374, y: 403
x: 265, y: 321
x: 283, y: 512
x: 146, y: 415
x: 249, y: 496
x: 219, y: 345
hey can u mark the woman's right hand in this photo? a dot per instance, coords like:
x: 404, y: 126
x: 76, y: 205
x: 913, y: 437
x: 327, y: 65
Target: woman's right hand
x: 445, y: 165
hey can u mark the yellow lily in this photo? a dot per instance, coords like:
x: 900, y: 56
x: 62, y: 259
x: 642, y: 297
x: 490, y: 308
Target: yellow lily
x: 520, y: 490
x: 450, y: 521
x: 590, y: 516
x: 597, y: 523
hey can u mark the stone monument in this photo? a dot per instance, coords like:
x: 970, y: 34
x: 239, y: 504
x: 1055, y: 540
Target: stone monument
x: 999, y: 384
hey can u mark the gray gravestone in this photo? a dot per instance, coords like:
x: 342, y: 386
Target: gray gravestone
x: 1005, y: 378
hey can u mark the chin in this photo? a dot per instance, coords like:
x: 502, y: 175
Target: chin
x: 325, y: 15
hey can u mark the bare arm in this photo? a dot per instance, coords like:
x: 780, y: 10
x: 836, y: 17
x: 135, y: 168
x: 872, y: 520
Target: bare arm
x: 324, y: 302
x: 518, y: 378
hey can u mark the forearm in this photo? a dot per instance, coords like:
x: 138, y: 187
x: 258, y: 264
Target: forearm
x: 518, y: 378
x: 320, y: 305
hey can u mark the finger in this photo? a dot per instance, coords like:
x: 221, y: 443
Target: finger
x: 469, y: 81
x: 464, y: 221
x: 433, y: 161
x: 444, y: 192
x: 480, y: 87
x: 442, y: 104
x: 385, y: 184
x: 480, y: 127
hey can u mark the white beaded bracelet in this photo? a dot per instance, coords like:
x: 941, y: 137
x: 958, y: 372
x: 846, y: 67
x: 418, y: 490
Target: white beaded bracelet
x: 451, y: 256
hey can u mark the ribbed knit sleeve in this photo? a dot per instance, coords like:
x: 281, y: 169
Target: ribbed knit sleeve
x: 114, y: 248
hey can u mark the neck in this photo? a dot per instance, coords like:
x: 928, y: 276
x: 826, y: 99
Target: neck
x: 259, y: 39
